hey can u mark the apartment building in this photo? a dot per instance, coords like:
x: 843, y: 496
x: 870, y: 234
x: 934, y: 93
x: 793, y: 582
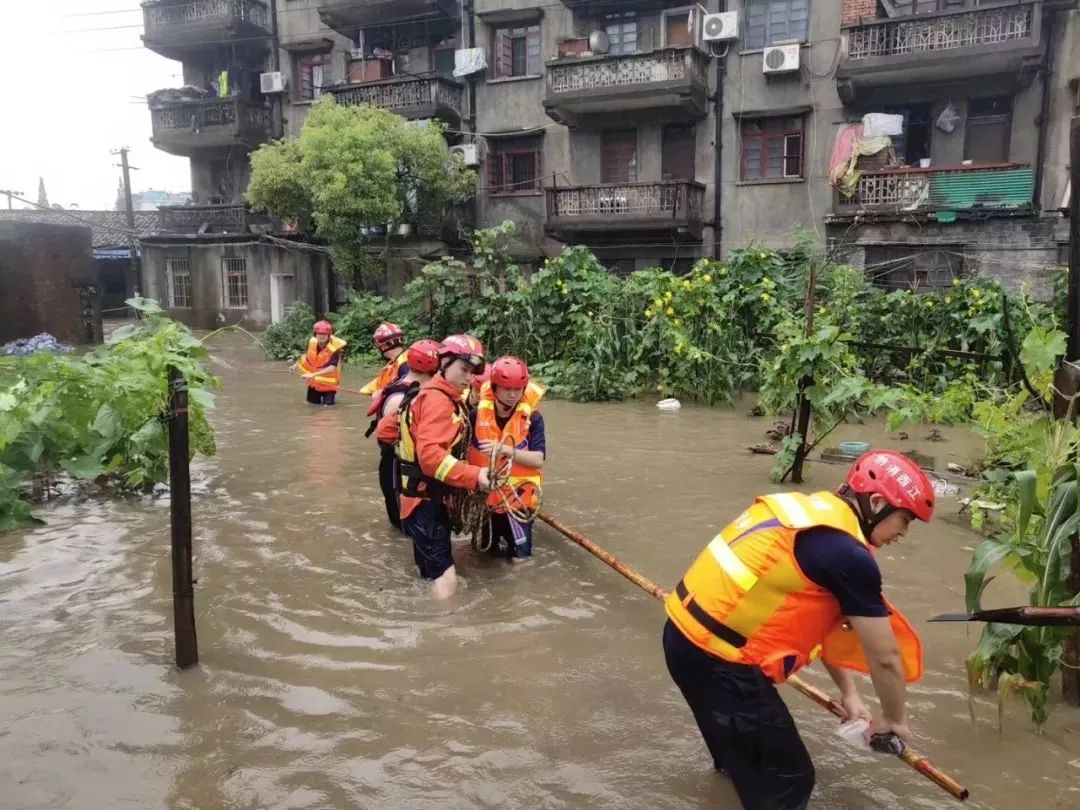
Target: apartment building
x: 611, y: 123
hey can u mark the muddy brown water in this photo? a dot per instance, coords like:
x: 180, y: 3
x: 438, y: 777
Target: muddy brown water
x: 331, y: 679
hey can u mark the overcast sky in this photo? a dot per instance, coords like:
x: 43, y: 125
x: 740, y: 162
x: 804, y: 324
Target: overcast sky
x: 71, y: 94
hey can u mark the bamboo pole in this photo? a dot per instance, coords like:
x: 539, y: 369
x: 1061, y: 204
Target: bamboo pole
x: 187, y: 647
x: 907, y: 756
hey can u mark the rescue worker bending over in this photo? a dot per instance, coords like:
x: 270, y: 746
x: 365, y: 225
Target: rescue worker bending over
x: 389, y: 340
x: 791, y: 578
x: 321, y: 364
x: 434, y: 425
x: 423, y: 362
x: 506, y: 417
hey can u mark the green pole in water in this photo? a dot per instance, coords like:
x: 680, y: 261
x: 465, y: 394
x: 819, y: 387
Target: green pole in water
x: 187, y: 647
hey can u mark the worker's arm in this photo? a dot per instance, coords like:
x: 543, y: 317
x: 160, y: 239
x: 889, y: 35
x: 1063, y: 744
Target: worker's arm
x: 534, y: 453
x: 854, y: 708
x: 434, y: 431
x: 392, y: 405
x: 886, y: 671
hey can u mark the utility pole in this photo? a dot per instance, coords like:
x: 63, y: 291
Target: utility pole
x: 187, y: 646
x: 130, y: 209
x: 9, y: 193
x: 277, y: 125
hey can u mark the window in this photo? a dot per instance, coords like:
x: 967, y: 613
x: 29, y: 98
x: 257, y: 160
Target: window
x: 517, y: 51
x: 514, y: 165
x: 618, y: 156
x: 234, y: 285
x: 178, y: 282
x: 896, y: 267
x: 443, y: 58
x: 621, y: 31
x: 913, y: 144
x: 772, y: 21
x: 772, y: 148
x: 312, y: 74
x: 676, y: 30
x: 986, y: 131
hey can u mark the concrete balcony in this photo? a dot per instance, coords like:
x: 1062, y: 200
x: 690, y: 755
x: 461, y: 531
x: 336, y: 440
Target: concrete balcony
x: 945, y: 194
x: 175, y: 29
x: 200, y: 219
x: 346, y: 16
x: 410, y: 97
x: 670, y: 208
x: 668, y: 84
x: 1001, y: 41
x: 194, y: 126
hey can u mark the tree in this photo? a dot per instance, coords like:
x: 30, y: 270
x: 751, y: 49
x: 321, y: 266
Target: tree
x: 42, y: 197
x: 357, y: 167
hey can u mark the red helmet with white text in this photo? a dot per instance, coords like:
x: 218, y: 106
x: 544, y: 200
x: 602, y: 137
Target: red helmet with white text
x: 894, y: 477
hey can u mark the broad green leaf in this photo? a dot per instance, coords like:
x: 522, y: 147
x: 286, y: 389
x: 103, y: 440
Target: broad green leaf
x: 85, y: 467
x: 1026, y: 481
x: 987, y: 554
x: 202, y: 397
x: 107, y: 423
x: 1041, y: 349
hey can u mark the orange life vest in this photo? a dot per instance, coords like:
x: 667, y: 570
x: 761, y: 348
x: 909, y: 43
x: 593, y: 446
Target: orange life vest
x: 746, y: 600
x: 316, y: 358
x: 523, y: 480
x: 387, y: 374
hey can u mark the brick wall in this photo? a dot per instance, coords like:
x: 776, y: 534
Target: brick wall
x: 854, y: 10
x: 44, y: 270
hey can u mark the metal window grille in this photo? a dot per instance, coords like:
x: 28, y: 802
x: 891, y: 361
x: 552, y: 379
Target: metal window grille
x: 178, y: 282
x: 234, y: 283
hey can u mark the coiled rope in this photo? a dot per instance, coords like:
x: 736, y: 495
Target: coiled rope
x: 470, y: 513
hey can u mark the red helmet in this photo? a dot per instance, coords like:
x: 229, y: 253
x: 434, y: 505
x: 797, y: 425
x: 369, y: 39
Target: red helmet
x: 388, y: 336
x: 510, y: 372
x: 323, y: 328
x: 464, y: 347
x: 478, y: 380
x: 896, y: 478
x: 423, y: 356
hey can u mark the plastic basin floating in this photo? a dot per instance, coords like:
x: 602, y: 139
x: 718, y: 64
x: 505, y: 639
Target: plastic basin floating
x: 853, y: 448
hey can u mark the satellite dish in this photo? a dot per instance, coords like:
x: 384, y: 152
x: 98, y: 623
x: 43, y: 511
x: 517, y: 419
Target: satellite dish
x: 599, y: 42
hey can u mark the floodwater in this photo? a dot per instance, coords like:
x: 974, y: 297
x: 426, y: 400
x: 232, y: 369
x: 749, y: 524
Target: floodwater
x: 330, y: 678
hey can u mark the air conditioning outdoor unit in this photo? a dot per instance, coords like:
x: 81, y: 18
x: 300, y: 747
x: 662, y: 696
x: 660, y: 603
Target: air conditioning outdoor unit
x: 780, y: 59
x: 722, y: 27
x: 272, y: 82
x: 467, y: 152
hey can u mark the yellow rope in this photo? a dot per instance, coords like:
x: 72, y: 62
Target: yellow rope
x: 470, y: 512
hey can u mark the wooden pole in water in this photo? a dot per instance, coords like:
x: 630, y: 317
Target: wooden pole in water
x: 187, y: 647
x: 908, y: 757
x: 802, y: 403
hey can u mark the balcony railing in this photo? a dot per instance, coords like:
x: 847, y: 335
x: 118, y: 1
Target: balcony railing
x: 1001, y: 188
x: 162, y: 15
x: 184, y: 126
x: 944, y: 31
x: 629, y: 70
x: 412, y: 98
x: 676, y: 205
x: 202, y: 218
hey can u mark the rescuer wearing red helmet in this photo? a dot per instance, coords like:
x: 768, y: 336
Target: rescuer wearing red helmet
x: 389, y: 339
x: 432, y: 447
x: 507, y: 416
x: 321, y: 364
x: 792, y: 578
x: 422, y: 362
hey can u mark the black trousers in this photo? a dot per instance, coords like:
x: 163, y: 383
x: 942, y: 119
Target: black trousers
x: 388, y: 484
x: 747, y: 728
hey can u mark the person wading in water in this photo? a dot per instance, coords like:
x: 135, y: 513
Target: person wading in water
x: 792, y: 578
x: 389, y: 339
x: 321, y: 364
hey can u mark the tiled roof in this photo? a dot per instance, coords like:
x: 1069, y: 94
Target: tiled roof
x: 106, y: 227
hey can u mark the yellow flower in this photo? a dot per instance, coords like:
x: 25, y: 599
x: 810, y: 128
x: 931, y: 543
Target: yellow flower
x: 686, y: 285
x: 765, y: 297
x: 948, y: 299
x: 660, y: 388
x: 723, y: 271
x: 658, y: 302
x: 678, y: 348
x: 667, y: 295
x: 706, y: 278
x: 821, y: 310
x: 678, y: 322
x: 975, y: 293
x: 956, y: 282
x: 766, y: 280
x: 762, y: 255
x: 670, y: 311
x: 648, y: 313
x: 565, y: 291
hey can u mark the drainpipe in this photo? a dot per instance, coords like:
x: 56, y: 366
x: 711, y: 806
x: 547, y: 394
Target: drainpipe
x: 1044, y: 113
x: 276, y: 123
x: 471, y: 7
x: 718, y: 153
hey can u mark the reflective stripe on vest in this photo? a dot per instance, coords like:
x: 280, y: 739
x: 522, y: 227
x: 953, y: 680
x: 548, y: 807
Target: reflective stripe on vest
x: 315, y: 359
x: 387, y: 374
x: 747, y: 601
x: 414, y: 482
x: 515, y: 433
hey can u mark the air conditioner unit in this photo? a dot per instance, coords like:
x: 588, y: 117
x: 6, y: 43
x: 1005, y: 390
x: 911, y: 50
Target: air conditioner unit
x: 467, y: 152
x: 722, y: 27
x: 780, y: 59
x: 272, y: 82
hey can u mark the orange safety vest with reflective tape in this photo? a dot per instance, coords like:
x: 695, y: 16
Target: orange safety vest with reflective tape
x: 523, y: 480
x: 746, y: 600
x: 387, y: 374
x: 316, y: 358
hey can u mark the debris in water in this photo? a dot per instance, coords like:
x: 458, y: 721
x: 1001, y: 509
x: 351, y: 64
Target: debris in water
x: 671, y: 404
x: 778, y: 431
x: 944, y: 489
x: 44, y: 342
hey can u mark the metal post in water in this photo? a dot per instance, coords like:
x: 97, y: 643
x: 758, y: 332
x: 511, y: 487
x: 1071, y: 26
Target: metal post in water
x: 187, y: 646
x: 802, y: 403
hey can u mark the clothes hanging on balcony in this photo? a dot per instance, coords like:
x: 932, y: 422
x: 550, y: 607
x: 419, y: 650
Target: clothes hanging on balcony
x: 849, y: 145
